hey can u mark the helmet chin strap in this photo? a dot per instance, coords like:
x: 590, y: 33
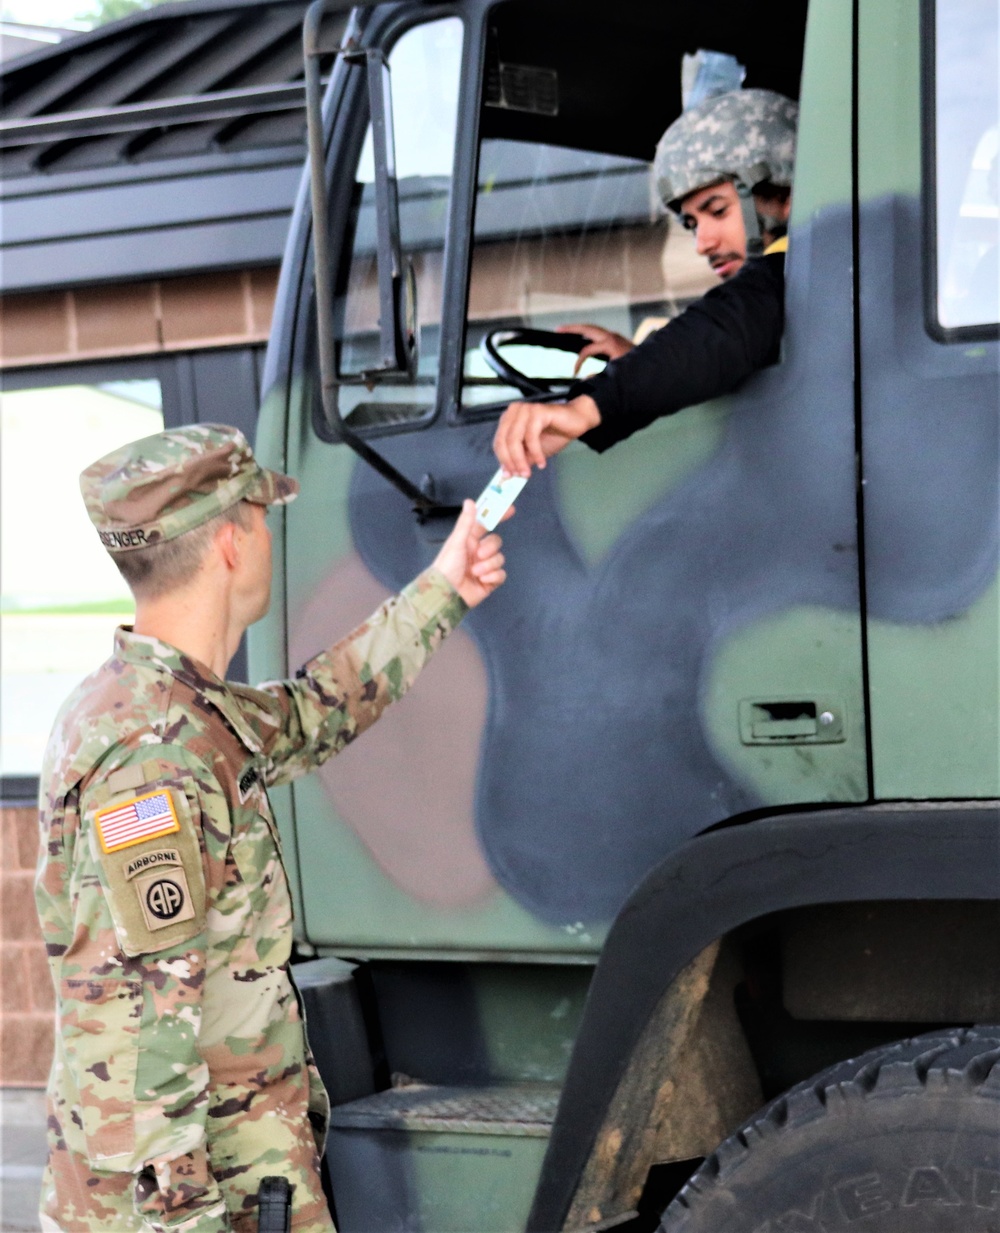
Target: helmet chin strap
x: 751, y: 220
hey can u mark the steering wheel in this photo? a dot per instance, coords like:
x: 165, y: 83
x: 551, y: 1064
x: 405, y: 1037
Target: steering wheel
x: 533, y: 387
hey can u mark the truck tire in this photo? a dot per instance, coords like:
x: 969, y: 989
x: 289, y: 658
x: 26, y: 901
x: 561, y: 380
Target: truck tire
x: 904, y: 1139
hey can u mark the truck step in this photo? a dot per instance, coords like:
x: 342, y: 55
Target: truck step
x: 421, y: 1158
x: 508, y: 1110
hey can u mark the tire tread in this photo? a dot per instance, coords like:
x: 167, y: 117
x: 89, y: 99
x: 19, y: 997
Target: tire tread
x: 967, y: 1057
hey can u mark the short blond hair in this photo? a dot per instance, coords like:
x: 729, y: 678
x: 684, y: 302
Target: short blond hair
x: 158, y: 569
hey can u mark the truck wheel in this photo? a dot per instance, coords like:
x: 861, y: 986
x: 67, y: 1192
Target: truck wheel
x: 904, y: 1139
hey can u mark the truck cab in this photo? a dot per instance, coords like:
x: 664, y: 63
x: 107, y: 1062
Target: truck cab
x: 633, y: 908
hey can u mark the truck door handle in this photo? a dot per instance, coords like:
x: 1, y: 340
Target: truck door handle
x: 790, y: 721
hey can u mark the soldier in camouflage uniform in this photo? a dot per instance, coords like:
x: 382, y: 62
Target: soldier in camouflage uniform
x: 725, y: 169
x: 182, y: 1075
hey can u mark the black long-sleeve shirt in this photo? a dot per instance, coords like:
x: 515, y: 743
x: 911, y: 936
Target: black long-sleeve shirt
x: 717, y: 342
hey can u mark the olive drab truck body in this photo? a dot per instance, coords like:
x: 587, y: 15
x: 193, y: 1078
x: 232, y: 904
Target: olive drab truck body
x: 703, y: 802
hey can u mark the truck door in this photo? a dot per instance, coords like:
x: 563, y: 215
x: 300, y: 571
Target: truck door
x: 928, y: 239
x: 679, y: 641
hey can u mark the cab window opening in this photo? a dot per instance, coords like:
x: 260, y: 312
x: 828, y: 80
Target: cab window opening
x: 568, y: 225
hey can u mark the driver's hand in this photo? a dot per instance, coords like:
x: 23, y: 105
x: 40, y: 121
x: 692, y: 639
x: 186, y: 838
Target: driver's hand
x: 605, y: 344
x: 528, y: 433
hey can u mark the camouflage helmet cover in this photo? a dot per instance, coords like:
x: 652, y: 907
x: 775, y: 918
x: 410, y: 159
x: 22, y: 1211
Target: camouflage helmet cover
x: 153, y: 490
x: 743, y: 135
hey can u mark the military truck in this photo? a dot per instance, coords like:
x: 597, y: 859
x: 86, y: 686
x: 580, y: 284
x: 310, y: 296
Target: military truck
x: 671, y: 891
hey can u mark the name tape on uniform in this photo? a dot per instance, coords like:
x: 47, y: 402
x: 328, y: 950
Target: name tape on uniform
x: 135, y: 821
x: 497, y: 498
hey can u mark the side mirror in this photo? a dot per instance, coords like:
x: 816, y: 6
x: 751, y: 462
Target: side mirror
x: 397, y: 286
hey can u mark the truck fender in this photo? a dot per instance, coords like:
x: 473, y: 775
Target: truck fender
x: 666, y: 937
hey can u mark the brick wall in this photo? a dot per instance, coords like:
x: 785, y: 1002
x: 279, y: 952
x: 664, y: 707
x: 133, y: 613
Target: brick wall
x: 26, y: 1002
x: 171, y: 314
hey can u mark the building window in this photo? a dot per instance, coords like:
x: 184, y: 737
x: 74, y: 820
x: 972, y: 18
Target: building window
x: 60, y: 594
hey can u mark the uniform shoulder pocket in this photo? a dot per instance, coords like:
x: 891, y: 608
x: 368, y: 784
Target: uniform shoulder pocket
x: 145, y: 842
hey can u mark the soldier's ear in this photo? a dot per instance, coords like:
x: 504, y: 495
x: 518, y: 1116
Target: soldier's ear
x: 228, y: 544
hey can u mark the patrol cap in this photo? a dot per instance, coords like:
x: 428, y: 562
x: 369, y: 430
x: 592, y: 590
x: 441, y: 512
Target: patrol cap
x: 743, y: 135
x: 151, y: 491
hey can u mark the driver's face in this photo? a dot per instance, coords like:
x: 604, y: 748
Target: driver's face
x: 714, y: 215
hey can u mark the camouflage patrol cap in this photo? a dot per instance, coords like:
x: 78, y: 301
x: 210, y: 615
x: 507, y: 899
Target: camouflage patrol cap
x: 153, y: 490
x: 743, y: 135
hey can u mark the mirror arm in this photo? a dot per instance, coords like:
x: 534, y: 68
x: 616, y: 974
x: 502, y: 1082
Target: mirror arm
x: 390, y: 259
x: 423, y: 504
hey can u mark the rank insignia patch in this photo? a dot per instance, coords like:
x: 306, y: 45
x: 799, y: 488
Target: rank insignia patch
x: 144, y: 817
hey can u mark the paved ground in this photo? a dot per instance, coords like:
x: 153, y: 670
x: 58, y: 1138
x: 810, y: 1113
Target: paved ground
x: 22, y: 1155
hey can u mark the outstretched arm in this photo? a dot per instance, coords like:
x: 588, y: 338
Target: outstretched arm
x: 715, y: 344
x: 528, y: 433
x: 341, y: 692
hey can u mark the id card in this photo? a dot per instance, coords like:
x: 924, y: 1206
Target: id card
x: 497, y: 498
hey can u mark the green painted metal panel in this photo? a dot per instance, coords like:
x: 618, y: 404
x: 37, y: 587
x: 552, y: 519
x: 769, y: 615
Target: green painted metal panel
x: 888, y: 98
x: 806, y: 655
x: 823, y: 171
x: 803, y: 653
x: 447, y: 1159
x: 934, y: 680
x: 934, y: 691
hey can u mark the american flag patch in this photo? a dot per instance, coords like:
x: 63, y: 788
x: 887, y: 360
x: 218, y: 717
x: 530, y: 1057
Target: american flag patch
x: 144, y: 817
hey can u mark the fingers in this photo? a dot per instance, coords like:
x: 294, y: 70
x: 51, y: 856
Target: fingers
x: 591, y: 349
x: 487, y: 547
x: 593, y: 332
x: 487, y: 560
x: 493, y: 565
x: 533, y: 428
x: 466, y: 524
x: 508, y: 441
x: 475, y: 528
x: 491, y: 581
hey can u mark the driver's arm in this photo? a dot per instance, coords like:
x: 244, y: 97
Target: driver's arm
x: 716, y: 343
x: 530, y: 432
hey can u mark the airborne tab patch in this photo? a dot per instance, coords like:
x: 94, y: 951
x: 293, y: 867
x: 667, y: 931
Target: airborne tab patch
x: 151, y: 860
x: 135, y: 821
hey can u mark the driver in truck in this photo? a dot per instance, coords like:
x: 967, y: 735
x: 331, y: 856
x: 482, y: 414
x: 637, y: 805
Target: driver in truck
x: 725, y: 169
x: 181, y: 1074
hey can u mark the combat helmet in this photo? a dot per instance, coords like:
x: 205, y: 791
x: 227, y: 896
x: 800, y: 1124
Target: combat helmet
x: 747, y: 136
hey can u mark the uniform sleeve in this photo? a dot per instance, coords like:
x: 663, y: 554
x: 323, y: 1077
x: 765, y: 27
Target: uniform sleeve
x: 716, y: 343
x: 132, y: 981
x: 342, y: 691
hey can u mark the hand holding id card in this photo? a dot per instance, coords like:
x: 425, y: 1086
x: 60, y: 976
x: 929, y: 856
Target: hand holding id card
x: 497, y: 498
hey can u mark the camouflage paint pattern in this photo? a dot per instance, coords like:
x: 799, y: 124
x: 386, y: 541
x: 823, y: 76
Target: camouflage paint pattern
x: 182, y: 1075
x: 746, y: 135
x: 152, y: 490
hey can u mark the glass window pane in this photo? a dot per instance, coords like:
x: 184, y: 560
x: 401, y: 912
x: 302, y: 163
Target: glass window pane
x: 568, y: 236
x: 425, y: 65
x: 967, y: 109
x: 61, y: 595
